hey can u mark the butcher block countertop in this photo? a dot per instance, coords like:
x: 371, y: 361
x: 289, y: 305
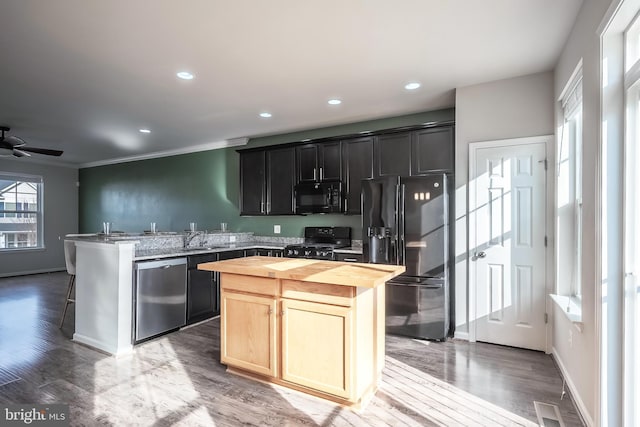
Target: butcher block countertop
x: 308, y: 270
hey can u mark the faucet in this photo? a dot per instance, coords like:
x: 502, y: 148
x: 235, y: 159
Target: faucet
x: 189, y: 236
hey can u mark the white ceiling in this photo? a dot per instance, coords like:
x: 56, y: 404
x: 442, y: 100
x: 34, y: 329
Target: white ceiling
x: 84, y: 76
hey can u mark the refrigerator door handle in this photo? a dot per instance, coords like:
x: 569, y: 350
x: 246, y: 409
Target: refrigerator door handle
x: 401, y: 247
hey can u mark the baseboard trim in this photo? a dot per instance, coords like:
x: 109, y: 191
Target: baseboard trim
x: 582, y: 408
x: 26, y: 273
x: 461, y: 335
x: 100, y: 346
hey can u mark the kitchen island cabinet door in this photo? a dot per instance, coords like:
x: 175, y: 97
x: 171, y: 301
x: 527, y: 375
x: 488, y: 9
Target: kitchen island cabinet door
x: 323, y: 362
x: 248, y: 332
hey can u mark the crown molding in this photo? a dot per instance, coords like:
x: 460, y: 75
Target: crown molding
x: 167, y: 153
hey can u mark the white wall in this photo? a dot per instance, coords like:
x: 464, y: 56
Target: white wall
x: 60, y: 218
x: 512, y: 108
x: 580, y: 358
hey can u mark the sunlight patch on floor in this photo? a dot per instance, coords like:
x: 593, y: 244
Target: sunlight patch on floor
x: 146, y: 390
x: 440, y: 402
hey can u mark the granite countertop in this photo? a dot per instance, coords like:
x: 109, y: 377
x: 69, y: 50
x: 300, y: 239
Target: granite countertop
x: 308, y: 270
x: 147, y: 254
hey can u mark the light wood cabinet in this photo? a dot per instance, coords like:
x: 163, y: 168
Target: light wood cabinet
x: 324, y: 339
x: 324, y: 362
x: 248, y: 332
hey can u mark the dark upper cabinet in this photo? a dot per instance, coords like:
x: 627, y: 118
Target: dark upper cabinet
x: 318, y: 162
x: 392, y: 154
x: 432, y: 150
x: 252, y: 182
x: 357, y: 163
x: 280, y: 181
x: 266, y: 181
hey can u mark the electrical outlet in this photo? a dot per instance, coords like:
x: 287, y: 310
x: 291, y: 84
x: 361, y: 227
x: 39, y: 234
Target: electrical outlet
x: 232, y: 239
x: 276, y: 229
x: 570, y: 338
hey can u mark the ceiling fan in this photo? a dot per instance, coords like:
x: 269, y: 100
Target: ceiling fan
x: 17, y: 146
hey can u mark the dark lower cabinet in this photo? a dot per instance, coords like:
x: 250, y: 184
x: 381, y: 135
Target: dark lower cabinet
x: 203, y: 289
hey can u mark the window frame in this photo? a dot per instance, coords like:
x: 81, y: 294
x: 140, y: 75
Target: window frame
x: 38, y: 213
x: 571, y: 103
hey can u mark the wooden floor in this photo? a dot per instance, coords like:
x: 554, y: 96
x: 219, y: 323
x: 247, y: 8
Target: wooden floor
x: 178, y: 380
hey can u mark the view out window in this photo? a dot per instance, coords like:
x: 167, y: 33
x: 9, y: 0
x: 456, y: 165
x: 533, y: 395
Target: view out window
x: 20, y: 211
x: 569, y: 192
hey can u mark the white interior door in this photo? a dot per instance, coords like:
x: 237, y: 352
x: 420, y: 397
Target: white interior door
x: 507, y: 214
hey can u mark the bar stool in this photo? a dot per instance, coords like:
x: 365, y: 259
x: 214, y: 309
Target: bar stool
x: 70, y: 261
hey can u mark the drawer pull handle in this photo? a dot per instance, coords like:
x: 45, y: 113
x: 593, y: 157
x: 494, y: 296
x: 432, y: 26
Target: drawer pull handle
x: 351, y: 259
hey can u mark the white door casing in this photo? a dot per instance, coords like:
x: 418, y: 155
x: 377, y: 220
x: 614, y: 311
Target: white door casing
x: 507, y: 215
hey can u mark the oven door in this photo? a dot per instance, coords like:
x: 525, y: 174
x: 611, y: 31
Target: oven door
x: 318, y: 197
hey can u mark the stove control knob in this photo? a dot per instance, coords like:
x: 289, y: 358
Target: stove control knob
x: 295, y: 252
x: 307, y: 253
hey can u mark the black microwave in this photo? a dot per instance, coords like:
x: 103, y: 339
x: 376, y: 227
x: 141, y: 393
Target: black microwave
x: 319, y: 197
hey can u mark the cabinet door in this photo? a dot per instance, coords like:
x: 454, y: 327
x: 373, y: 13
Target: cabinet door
x: 307, y: 162
x: 248, y: 333
x: 393, y: 154
x: 252, y: 171
x: 329, y: 161
x: 201, y: 295
x: 357, y: 155
x: 432, y: 150
x: 325, y: 362
x: 280, y: 181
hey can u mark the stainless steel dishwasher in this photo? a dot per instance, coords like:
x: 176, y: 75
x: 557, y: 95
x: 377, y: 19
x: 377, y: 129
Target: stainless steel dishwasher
x: 160, y: 296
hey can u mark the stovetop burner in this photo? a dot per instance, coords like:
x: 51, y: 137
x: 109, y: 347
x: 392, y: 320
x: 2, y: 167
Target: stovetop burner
x: 319, y: 243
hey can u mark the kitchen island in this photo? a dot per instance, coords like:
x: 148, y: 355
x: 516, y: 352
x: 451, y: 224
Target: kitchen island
x: 314, y: 326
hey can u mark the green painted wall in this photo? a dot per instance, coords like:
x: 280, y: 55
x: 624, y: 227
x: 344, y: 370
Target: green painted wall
x: 203, y: 187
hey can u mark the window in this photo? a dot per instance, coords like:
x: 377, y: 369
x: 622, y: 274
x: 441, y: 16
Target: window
x: 632, y: 221
x: 569, y: 191
x: 20, y: 211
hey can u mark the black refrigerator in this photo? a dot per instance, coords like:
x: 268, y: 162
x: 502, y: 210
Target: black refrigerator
x: 405, y: 221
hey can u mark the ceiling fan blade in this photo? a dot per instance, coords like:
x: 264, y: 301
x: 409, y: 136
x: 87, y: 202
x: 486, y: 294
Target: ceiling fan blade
x: 45, y: 151
x: 20, y: 153
x: 14, y: 141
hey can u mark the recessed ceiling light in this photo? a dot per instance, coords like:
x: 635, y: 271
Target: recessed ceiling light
x: 265, y: 115
x: 412, y: 86
x: 185, y: 75
x: 334, y: 102
x: 145, y: 130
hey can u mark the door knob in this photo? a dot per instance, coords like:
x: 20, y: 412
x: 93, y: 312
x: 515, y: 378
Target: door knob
x: 481, y: 254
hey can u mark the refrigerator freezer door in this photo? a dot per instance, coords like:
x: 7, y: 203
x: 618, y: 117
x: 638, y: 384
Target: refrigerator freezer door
x: 419, y: 309
x: 424, y: 231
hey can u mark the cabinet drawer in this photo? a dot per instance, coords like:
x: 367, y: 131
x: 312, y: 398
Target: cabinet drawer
x: 254, y: 285
x: 318, y: 292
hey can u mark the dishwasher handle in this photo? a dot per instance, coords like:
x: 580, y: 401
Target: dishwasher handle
x: 161, y: 263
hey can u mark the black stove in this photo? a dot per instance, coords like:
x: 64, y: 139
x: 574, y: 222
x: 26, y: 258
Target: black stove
x: 319, y: 243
